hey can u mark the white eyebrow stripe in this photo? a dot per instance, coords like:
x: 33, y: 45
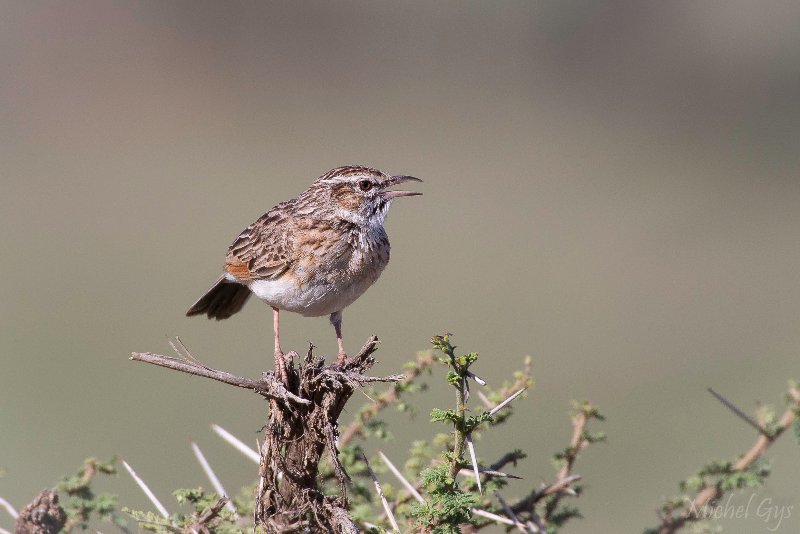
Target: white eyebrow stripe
x: 339, y: 180
x: 349, y: 179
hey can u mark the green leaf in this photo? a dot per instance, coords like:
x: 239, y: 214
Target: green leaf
x: 438, y: 415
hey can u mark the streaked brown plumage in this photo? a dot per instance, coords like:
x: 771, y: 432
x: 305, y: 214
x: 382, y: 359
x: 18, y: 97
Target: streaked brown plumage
x: 314, y: 254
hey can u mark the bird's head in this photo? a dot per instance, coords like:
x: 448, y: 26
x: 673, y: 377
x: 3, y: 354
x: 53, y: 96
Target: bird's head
x: 361, y: 194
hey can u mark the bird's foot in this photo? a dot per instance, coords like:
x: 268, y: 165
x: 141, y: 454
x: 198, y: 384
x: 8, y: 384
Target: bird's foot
x: 280, y: 366
x: 342, y: 359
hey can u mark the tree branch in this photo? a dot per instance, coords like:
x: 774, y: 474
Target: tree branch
x: 304, y: 408
x: 670, y: 523
x: 267, y: 386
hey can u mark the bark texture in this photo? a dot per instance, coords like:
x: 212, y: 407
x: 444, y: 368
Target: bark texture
x: 302, y: 425
x: 43, y: 515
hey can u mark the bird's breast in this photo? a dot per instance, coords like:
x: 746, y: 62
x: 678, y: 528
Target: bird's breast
x: 331, y: 278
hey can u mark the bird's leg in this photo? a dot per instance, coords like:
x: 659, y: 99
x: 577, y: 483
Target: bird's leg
x: 336, y: 321
x: 280, y: 363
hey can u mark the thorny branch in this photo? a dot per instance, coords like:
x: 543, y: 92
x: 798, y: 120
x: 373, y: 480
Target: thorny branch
x: 267, y: 386
x: 304, y: 408
x: 564, y: 478
x: 671, y: 523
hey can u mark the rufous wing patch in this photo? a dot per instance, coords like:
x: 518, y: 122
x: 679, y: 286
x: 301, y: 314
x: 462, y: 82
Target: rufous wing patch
x: 238, y: 268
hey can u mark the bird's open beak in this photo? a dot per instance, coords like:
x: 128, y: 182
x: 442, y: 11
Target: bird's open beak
x: 394, y: 180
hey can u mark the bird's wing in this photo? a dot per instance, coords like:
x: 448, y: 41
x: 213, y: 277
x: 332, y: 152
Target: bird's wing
x: 261, y: 250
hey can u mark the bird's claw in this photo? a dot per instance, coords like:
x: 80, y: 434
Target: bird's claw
x: 280, y: 365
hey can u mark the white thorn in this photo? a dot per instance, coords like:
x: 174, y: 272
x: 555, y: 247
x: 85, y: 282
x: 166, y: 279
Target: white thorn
x: 476, y: 378
x: 467, y: 471
x: 237, y: 443
x: 521, y: 527
x: 146, y: 490
x: 471, y: 447
x: 411, y: 489
x: 493, y: 517
x: 10, y: 509
x: 385, y: 503
x: 212, y: 477
x: 502, y: 404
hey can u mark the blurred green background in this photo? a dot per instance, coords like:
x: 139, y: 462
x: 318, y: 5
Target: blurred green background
x: 611, y: 187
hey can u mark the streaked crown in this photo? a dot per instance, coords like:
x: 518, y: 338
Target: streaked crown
x: 359, y: 193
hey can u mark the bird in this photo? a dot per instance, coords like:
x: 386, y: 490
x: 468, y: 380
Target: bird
x: 314, y: 254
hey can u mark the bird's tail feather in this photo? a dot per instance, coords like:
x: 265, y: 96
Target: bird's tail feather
x: 221, y: 301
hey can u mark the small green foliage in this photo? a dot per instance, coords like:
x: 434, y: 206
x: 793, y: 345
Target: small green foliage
x: 80, y: 483
x: 442, y: 344
x: 244, y: 501
x: 377, y: 428
x: 752, y: 477
x: 404, y: 407
x: 586, y: 408
x: 351, y: 457
x: 82, y: 503
x: 560, y: 516
x: 363, y: 513
x: 149, y: 521
x: 692, y: 483
x: 195, y: 497
x: 721, y: 474
x: 447, y: 506
x: 594, y: 437
x: 419, y: 455
x: 559, y: 459
x: 671, y: 504
x: 472, y: 422
x: 769, y: 420
x: 453, y: 378
x: 726, y: 476
x: 437, y: 479
x: 207, y: 514
x: 438, y: 416
x: 466, y: 360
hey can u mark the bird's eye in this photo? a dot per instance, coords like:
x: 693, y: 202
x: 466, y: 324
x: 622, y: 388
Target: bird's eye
x: 365, y: 185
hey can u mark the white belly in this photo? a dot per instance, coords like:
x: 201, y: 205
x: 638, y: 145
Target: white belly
x: 334, y: 282
x: 321, y: 297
